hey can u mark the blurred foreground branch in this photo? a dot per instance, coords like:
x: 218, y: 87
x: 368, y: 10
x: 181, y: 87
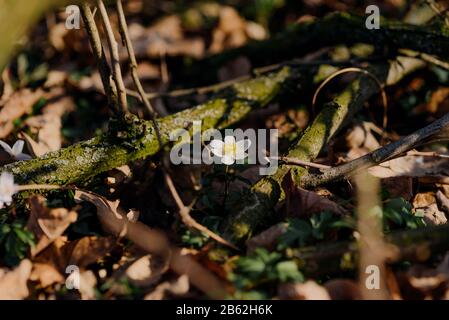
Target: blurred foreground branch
x: 412, y: 245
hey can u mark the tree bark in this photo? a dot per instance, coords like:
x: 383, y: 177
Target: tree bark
x: 131, y: 138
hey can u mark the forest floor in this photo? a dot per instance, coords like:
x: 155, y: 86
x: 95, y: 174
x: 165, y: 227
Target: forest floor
x: 134, y: 225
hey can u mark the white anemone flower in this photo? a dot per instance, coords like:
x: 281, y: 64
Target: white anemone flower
x: 7, y: 188
x: 229, y: 151
x: 16, y: 150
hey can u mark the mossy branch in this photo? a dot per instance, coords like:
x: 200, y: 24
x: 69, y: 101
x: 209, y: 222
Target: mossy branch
x: 335, y: 28
x: 131, y: 138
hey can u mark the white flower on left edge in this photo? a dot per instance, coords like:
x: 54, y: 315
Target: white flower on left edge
x: 7, y: 188
x: 16, y: 150
x: 229, y: 151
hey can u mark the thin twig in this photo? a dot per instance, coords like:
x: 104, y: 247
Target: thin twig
x: 426, y: 58
x: 115, y: 59
x: 98, y: 51
x: 133, y: 64
x: 224, y: 84
x: 298, y: 162
x: 186, y: 92
x: 436, y: 131
x: 438, y: 10
x: 188, y: 220
x: 427, y: 154
x: 358, y: 70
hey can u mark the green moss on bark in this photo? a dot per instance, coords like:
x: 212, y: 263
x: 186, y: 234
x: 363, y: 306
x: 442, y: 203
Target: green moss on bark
x: 130, y: 138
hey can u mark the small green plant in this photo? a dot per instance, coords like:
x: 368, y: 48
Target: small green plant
x: 263, y: 267
x: 302, y: 232
x: 397, y: 213
x: 15, y: 241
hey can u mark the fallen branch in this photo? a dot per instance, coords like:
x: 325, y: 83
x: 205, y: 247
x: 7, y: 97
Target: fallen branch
x: 130, y: 138
x: 436, y: 131
x: 335, y: 28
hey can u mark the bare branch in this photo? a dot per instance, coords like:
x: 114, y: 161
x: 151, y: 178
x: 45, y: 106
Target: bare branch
x: 115, y: 60
x: 436, y: 131
x: 98, y: 51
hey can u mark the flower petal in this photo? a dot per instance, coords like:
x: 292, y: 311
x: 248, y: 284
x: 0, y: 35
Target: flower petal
x: 216, y: 147
x: 7, y: 182
x: 23, y: 156
x: 240, y: 154
x: 6, y: 147
x: 227, y: 159
x: 243, y: 144
x: 18, y: 147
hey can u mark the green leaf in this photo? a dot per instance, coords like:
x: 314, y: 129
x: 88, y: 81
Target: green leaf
x: 288, y: 271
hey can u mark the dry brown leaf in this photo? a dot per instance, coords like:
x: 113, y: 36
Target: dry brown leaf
x: 49, y: 125
x: 46, y: 274
x: 165, y: 37
x: 145, y: 71
x: 288, y: 122
x: 302, y: 203
x: 13, y: 283
x: 144, y: 271
x: 443, y: 202
x: 87, y: 250
x: 47, y: 224
x: 309, y: 290
x: 56, y: 36
x: 178, y: 288
x: 255, y: 31
x: 91, y: 83
x: 88, y: 282
x: 360, y: 140
x: 444, y: 189
x: 230, y: 31
x: 20, y: 103
x: 137, y: 268
x: 7, y: 89
x: 426, y: 203
x: 115, y: 222
x: 154, y: 242
x: 55, y: 78
x: 411, y: 166
x: 36, y: 149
